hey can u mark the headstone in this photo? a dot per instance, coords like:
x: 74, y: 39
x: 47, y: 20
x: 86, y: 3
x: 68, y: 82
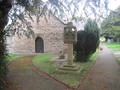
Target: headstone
x: 108, y: 41
x: 61, y: 55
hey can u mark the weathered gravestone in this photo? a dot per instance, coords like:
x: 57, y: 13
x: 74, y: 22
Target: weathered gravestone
x: 61, y: 55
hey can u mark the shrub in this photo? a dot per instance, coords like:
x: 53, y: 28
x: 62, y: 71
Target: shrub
x: 87, y: 41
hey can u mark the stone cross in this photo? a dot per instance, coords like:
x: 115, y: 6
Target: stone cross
x: 70, y: 37
x: 70, y: 34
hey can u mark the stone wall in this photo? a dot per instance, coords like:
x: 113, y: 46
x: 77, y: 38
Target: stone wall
x: 51, y: 31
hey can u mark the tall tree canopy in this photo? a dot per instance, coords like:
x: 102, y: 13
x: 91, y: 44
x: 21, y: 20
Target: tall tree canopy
x: 111, y: 25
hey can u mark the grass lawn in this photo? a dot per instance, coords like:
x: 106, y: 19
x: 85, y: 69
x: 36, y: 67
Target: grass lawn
x: 12, y: 56
x: 114, y: 46
x: 45, y: 63
x: 118, y: 61
x: 74, y: 80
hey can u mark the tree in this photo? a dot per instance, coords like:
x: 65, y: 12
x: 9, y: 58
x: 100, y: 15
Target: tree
x: 39, y: 8
x: 5, y: 6
x: 111, y: 25
x: 87, y: 41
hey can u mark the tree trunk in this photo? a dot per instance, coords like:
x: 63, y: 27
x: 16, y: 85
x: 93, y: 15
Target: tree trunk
x: 5, y: 6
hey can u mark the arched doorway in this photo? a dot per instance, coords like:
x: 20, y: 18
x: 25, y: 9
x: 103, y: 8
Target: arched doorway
x: 39, y: 45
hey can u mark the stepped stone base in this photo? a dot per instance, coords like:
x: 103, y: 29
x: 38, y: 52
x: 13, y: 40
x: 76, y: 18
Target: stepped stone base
x: 69, y: 69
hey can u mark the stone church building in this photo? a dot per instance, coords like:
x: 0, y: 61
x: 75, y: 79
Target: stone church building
x: 48, y: 38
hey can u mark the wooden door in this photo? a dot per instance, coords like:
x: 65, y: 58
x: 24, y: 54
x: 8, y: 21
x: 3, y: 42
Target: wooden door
x: 39, y: 45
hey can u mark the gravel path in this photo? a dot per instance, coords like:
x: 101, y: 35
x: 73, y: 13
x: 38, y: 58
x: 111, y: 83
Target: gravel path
x: 23, y: 76
x: 105, y: 73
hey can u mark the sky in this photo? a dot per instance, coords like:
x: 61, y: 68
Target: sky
x: 113, y: 4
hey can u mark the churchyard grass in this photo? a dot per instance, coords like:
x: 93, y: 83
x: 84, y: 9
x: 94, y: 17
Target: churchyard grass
x: 114, y: 46
x: 45, y: 63
x: 74, y: 79
x: 12, y: 56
